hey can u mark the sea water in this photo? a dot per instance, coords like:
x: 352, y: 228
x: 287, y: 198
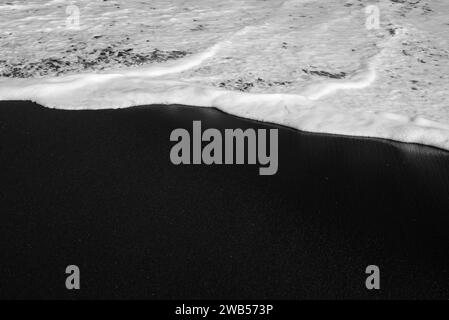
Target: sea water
x: 311, y: 65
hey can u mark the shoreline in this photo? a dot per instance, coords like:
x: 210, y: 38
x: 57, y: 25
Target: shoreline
x: 398, y: 144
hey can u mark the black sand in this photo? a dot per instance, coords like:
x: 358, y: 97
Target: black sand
x: 97, y: 189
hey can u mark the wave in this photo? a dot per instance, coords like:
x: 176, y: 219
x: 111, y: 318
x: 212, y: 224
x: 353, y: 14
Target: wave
x: 326, y: 69
x: 301, y: 111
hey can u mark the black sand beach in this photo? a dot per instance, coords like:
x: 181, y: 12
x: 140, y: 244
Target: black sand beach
x: 97, y: 189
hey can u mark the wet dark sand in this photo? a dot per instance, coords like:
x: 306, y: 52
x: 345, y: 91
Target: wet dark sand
x: 97, y: 189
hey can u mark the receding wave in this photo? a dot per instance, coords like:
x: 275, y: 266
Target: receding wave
x: 302, y: 64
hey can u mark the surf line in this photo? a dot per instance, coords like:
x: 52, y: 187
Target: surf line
x: 189, y: 147
x: 359, y: 80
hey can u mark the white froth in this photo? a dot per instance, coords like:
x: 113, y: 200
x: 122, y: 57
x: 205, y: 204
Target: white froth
x: 310, y: 65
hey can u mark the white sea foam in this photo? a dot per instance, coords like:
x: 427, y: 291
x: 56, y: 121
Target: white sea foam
x: 303, y: 64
